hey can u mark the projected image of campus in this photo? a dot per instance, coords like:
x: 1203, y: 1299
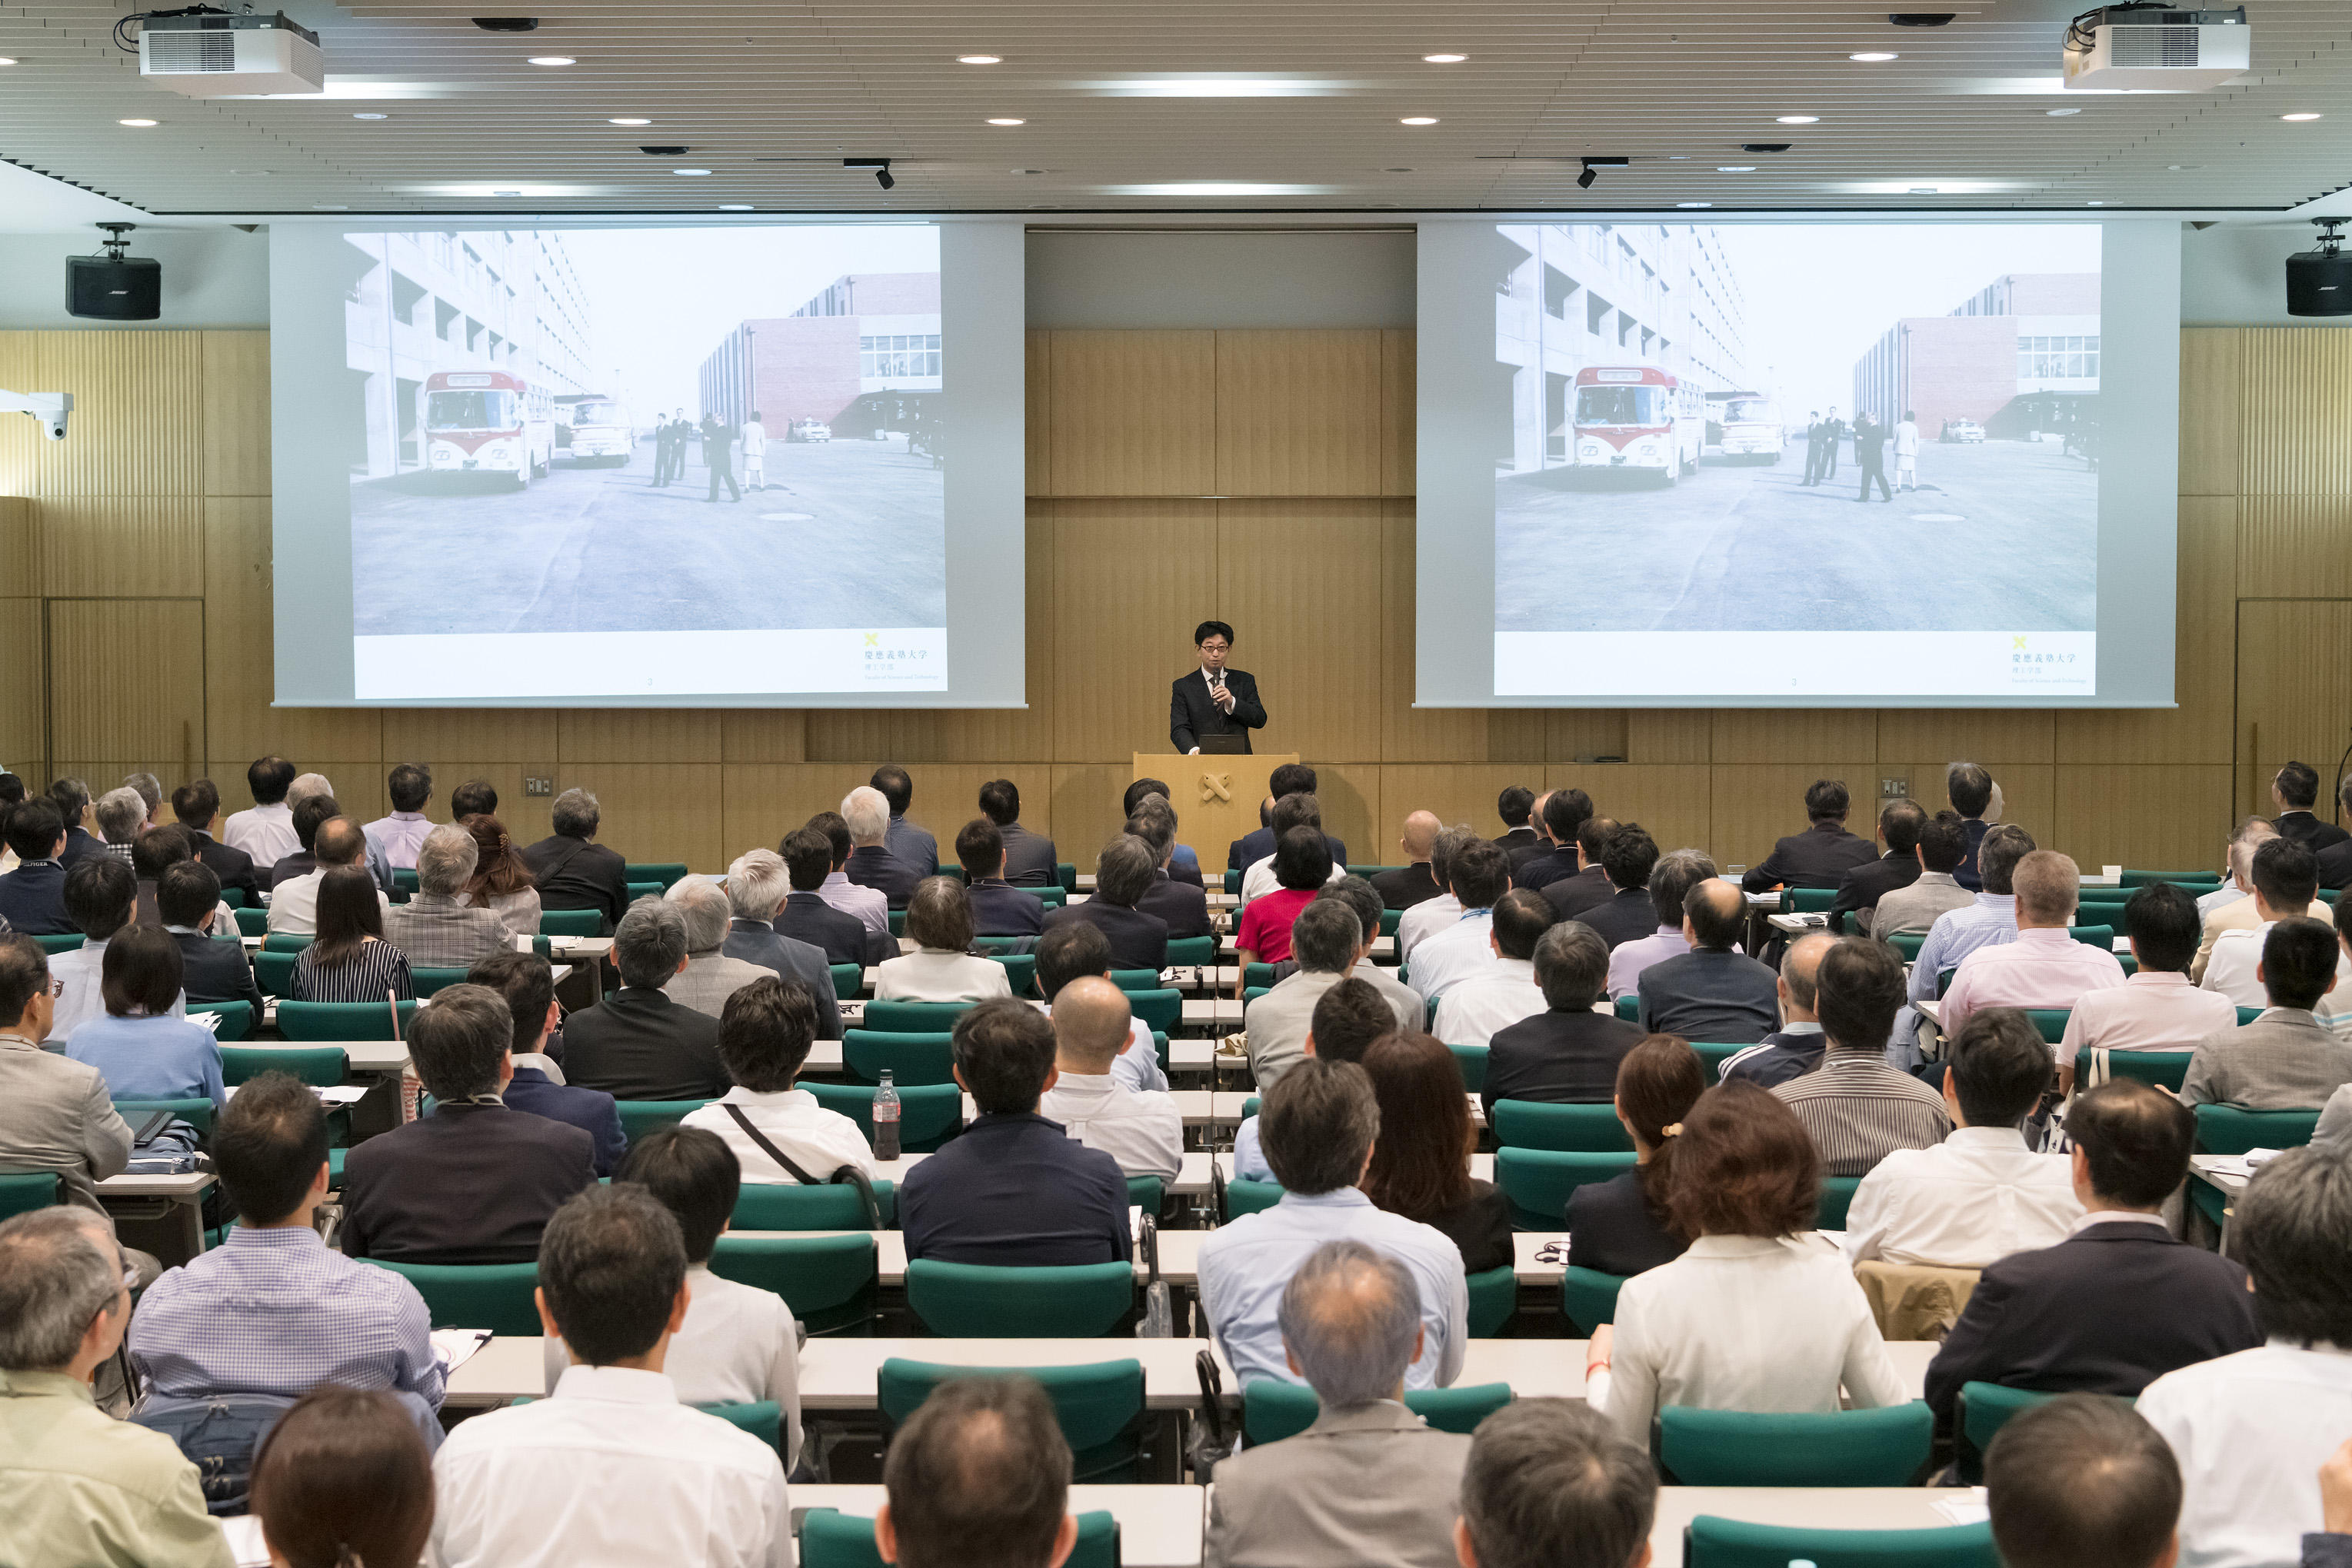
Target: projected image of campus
x: 644, y: 431
x: 1809, y: 428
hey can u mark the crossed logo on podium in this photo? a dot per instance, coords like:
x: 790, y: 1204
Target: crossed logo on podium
x: 1216, y: 787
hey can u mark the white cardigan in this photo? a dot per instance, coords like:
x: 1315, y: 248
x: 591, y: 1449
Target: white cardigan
x: 935, y: 975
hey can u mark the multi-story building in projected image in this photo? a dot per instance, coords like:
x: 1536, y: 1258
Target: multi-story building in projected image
x: 861, y: 357
x: 2021, y: 355
x: 502, y: 299
x: 1573, y: 296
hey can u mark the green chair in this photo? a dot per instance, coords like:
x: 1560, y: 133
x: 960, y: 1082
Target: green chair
x: 1471, y: 1059
x: 234, y: 897
x: 251, y: 921
x: 404, y: 881
x: 287, y: 942
x: 1390, y: 920
x: 1019, y: 971
x: 1233, y: 884
x: 1053, y: 898
x: 788, y: 1205
x: 2205, y: 879
x: 1098, y: 1405
x: 2166, y: 1069
x: 572, y: 922
x: 975, y: 1301
x: 53, y: 945
x: 196, y: 1112
x: 236, y: 1018
x: 641, y: 1119
x: 2051, y: 1022
x: 2233, y: 1129
x: 1907, y: 944
x: 22, y: 1192
x: 1628, y: 1007
x: 1711, y: 1543
x: 1807, y: 900
x: 832, y: 1538
x: 1883, y: 1447
x: 1249, y: 1198
x: 1147, y: 1193
x: 929, y: 1113
x: 1711, y: 1059
x: 494, y: 1296
x: 897, y: 918
x: 1588, y: 1298
x: 848, y: 981
x: 427, y: 981
x: 1067, y: 875
x: 342, y: 1020
x: 1197, y: 951
x: 1160, y: 1010
x: 1134, y: 980
x: 1982, y: 1409
x: 1257, y: 976
x: 914, y: 1018
x: 1539, y: 1124
x: 1273, y: 1408
x: 831, y: 1282
x: 666, y: 873
x: 1837, y: 1196
x: 913, y: 1059
x: 638, y: 890
x: 2103, y: 937
x: 1538, y: 1181
x: 274, y: 973
x: 764, y: 1420
x: 1494, y: 1297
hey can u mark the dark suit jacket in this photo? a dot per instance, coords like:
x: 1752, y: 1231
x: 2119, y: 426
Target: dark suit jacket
x: 1184, y: 866
x: 1862, y: 887
x: 592, y: 1110
x: 915, y: 844
x: 301, y: 862
x: 1001, y: 909
x: 1138, y: 941
x: 1407, y: 885
x: 1015, y: 1191
x: 1610, y: 1229
x: 1818, y: 857
x: 1029, y: 858
x: 1258, y: 842
x: 1965, y: 873
x: 1627, y: 916
x: 871, y: 865
x: 574, y: 874
x: 1521, y: 842
x: 1724, y: 998
x: 1479, y: 1226
x: 1779, y: 1057
x: 1192, y: 713
x: 215, y: 970
x: 1563, y: 1058
x: 1557, y: 863
x: 841, y: 937
x: 2107, y: 1311
x: 33, y: 900
x: 234, y: 867
x: 637, y: 1044
x: 1588, y: 889
x: 2335, y: 865
x: 470, y: 1184
x: 80, y: 842
x: 1184, y: 908
x: 2308, y: 830
x: 789, y: 959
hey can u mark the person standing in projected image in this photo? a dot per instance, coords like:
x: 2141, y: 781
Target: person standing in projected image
x: 664, y: 451
x: 755, y: 453
x: 1870, y: 455
x: 1817, y: 436
x: 1906, y: 452
x: 718, y: 450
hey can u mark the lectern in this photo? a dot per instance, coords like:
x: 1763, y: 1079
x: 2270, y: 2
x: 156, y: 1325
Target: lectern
x: 1216, y: 797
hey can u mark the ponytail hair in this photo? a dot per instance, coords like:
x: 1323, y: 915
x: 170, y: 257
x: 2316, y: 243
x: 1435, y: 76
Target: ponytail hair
x: 1657, y: 1083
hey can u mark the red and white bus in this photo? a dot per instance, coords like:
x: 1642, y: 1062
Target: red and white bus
x: 1638, y: 418
x: 487, y: 421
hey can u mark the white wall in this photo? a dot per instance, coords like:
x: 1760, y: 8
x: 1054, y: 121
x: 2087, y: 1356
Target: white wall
x: 1110, y: 278
x: 2234, y: 274
x: 212, y: 277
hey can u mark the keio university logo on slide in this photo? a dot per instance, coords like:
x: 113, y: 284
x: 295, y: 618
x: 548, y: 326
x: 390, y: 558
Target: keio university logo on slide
x: 903, y: 658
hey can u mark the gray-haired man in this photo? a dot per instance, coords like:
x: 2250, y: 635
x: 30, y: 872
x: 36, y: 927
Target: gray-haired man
x: 433, y: 928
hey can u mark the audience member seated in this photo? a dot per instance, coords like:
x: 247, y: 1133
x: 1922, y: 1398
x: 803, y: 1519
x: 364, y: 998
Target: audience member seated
x: 433, y: 928
x: 776, y: 1131
x: 2287, y: 1059
x: 1369, y: 1481
x: 1567, y: 1054
x: 2334, y: 863
x: 1714, y: 992
x: 1821, y: 855
x: 1067, y: 952
x: 294, y: 904
x: 1290, y: 812
x: 527, y: 982
x: 639, y: 1043
x: 76, y: 1485
x: 476, y: 1181
x: 1319, y: 1123
x: 196, y: 804
x: 1014, y: 1188
x: 1561, y: 812
x: 1745, y: 1182
x: 2285, y: 887
x: 738, y: 1345
x: 349, y: 960
x: 1290, y: 778
x: 309, y: 811
x: 101, y: 896
x: 779, y: 894
x: 212, y: 968
x: 1795, y: 1048
x: 1144, y: 1131
x: 1627, y: 858
x: 2295, y: 789
x: 56, y: 1115
x: 617, y: 1469
x: 1480, y: 874
x: 1123, y: 874
x: 570, y: 869
x: 712, y: 974
x: 72, y: 798
x: 779, y: 946
x: 343, y: 1477
x: 1357, y: 895
x: 982, y: 1460
x: 1301, y: 866
x: 401, y: 835
x: 1346, y: 1020
x: 1973, y: 795
x: 501, y: 881
x: 1401, y: 887
x: 1183, y: 865
x: 272, y: 1310
x: 1030, y: 859
x: 474, y: 798
x: 1432, y: 915
x: 1990, y: 919
x: 2231, y: 907
x: 1504, y: 992
x: 1625, y: 1224
x: 1856, y: 1108
x: 1183, y: 906
x: 998, y: 908
x: 151, y: 795
x: 1325, y: 939
x: 2118, y: 1302
x: 120, y: 813
x: 910, y: 845
x: 2252, y: 1430
x: 1671, y: 881
x: 264, y: 833
x: 868, y: 904
x: 1551, y: 1484
x: 2082, y: 1482
x: 2156, y: 1008
x: 1516, y: 806
x: 870, y: 864
x: 939, y: 926
x: 136, y: 1044
x: 1935, y: 891
x: 1590, y: 888
x: 2043, y: 966
x: 1421, y: 1162
x: 153, y: 853
x: 1896, y: 867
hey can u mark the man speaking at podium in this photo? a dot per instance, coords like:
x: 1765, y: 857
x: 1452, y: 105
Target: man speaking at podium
x: 1213, y: 702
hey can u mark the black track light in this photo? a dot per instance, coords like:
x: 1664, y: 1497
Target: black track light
x: 881, y: 167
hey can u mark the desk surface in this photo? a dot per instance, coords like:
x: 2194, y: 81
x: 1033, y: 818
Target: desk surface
x: 1179, y: 1254
x: 1827, y: 1508
x: 179, y: 1188
x: 1158, y: 1526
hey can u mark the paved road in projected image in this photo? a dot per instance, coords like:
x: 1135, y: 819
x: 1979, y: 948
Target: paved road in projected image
x: 1998, y: 537
x: 847, y: 533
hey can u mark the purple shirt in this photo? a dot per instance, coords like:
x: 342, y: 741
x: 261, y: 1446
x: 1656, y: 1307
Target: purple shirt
x: 1626, y: 964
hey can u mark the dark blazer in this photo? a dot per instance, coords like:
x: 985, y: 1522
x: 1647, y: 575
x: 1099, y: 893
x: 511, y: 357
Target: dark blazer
x: 841, y: 937
x: 1015, y: 1191
x: 1191, y: 714
x: 574, y: 874
x: 1519, y: 843
x: 233, y: 866
x: 1258, y: 842
x: 1184, y: 866
x: 1778, y: 1057
x: 1974, y: 828
x: 80, y: 842
x: 470, y: 1184
x: 592, y: 1110
x: 1001, y: 909
x: 788, y: 959
x: 637, y: 1044
x: 1479, y: 1226
x: 1138, y: 941
x: 33, y: 900
x: 1555, y: 864
x: 215, y: 970
x: 1628, y: 915
x: 301, y: 862
x: 1862, y: 887
x: 2107, y: 1311
x: 871, y: 865
x: 1609, y: 1229
x: 1563, y: 1058
x: 2335, y: 865
x: 1721, y: 998
x: 2305, y: 828
x: 1818, y: 857
x: 1184, y: 908
x: 1029, y: 858
x: 1407, y: 885
x: 914, y: 844
x: 1588, y: 889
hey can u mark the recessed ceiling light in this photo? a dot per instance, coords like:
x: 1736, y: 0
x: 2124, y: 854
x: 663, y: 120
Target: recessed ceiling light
x: 1398, y: 169
x: 506, y: 193
x: 980, y: 59
x: 1796, y: 120
x: 552, y: 60
x: 1923, y: 189
x: 2094, y: 204
x: 1874, y: 57
x: 2055, y: 113
x: 2299, y: 117
x: 1693, y: 203
x: 628, y: 120
x: 1025, y: 170
x: 1735, y: 168
x: 1418, y: 120
x: 371, y: 117
x: 734, y: 206
x: 696, y: 173
x: 136, y: 124
x: 1445, y: 59
x: 1008, y: 121
x: 4, y: 60
x: 323, y: 207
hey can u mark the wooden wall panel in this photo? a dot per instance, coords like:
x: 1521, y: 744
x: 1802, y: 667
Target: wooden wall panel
x: 2294, y: 404
x: 23, y: 711
x: 2212, y: 450
x: 2155, y: 817
x: 1409, y: 733
x: 1398, y: 388
x: 1669, y: 735
x: 1573, y: 734
x: 523, y: 736
x: 1037, y: 409
x: 1456, y: 792
x: 636, y: 734
x: 1134, y: 413
x: 655, y: 810
x: 235, y: 382
x: 1085, y: 807
x: 138, y: 414
x: 1990, y: 735
x: 2294, y: 687
x: 1132, y: 580
x: 2294, y: 547
x: 1747, y: 735
x: 1674, y: 802
x: 1326, y: 703
x: 20, y: 546
x: 239, y: 674
x: 126, y: 678
x: 120, y: 547
x: 1753, y: 805
x: 762, y: 734
x: 1350, y: 795
x: 1299, y: 414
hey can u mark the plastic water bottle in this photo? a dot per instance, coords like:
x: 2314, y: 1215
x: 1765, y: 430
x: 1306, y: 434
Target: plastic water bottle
x: 885, y: 1119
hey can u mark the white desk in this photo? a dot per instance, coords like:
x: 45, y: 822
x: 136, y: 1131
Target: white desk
x: 2218, y: 1171
x: 824, y: 1057
x: 183, y: 1200
x: 1159, y: 1527
x: 1179, y: 1253
x: 1822, y: 1508
x: 1226, y: 1111
x: 1213, y: 1011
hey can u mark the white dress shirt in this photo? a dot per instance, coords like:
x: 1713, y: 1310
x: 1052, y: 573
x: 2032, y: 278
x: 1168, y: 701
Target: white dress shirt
x: 2237, y: 954
x: 819, y: 1141
x: 610, y: 1467
x: 1258, y: 881
x: 398, y: 837
x: 1425, y: 920
x: 935, y: 975
x: 1626, y: 964
x: 1463, y: 949
x: 2250, y: 1431
x: 2152, y: 1010
x: 1144, y: 1133
x: 1969, y: 1202
x: 264, y: 833
x: 1472, y: 1010
x: 78, y: 975
x: 294, y: 905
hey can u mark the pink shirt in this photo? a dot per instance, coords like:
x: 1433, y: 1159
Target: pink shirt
x: 2147, y: 1013
x: 2043, y: 967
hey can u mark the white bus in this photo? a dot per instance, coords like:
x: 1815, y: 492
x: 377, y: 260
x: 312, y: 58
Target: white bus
x: 601, y: 430
x: 1751, y: 425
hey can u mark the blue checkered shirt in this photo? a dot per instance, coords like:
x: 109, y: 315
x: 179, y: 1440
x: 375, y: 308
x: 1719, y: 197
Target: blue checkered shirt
x: 276, y: 1311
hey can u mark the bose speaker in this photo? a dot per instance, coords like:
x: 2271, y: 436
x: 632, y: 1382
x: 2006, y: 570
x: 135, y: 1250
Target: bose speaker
x: 2319, y: 282
x: 111, y: 289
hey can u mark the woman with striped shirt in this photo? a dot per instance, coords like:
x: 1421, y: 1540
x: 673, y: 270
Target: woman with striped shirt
x: 350, y: 961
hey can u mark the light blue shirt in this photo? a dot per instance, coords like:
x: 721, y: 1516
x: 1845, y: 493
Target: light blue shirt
x: 1989, y: 922
x: 1246, y: 1265
x: 1249, y: 1160
x: 162, y: 1058
x: 1137, y: 1069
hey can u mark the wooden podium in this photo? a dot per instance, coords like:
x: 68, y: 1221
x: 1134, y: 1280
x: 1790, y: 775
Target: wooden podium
x: 1216, y: 797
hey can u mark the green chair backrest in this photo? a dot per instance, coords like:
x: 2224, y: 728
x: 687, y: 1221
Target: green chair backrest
x: 638, y: 890
x: 666, y: 872
x: 1257, y: 976
x: 1390, y: 920
x: 2051, y: 1022
x: 897, y: 918
x: 1494, y: 1297
x: 764, y: 1420
x: 832, y: 1538
x: 1807, y: 900
x: 1067, y: 875
x: 1159, y: 1011
x: 976, y: 1301
x: 494, y: 1296
x: 1273, y: 1409
x: 1539, y: 1125
x: 927, y: 1113
x: 1094, y: 1401
x: 570, y: 922
x: 341, y: 1021
x: 1711, y: 1543
x: 829, y: 1281
x: 1019, y: 971
x: 1628, y: 1007
x: 2103, y: 937
x: 1984, y: 1408
x: 234, y: 897
x: 2233, y: 1129
x: 252, y: 922
x: 1883, y: 1447
x: 641, y: 1119
x: 1053, y: 898
x: 318, y: 1065
x: 1712, y: 1057
x: 1907, y: 944
x: 2166, y: 1069
x: 1837, y: 1196
x: 287, y: 942
x: 1250, y: 1197
x: 1538, y: 1181
x: 403, y: 880
x: 427, y: 981
x: 1193, y: 950
x: 274, y: 973
x: 1133, y: 980
x: 914, y: 1018
x: 196, y: 1112
x: 1471, y: 1059
x: 1147, y: 1193
x: 21, y: 1192
x: 1588, y: 1298
x: 55, y: 945
x: 913, y: 1059
x: 236, y: 1020
x: 1233, y: 884
x: 2248, y: 1015
x: 787, y: 1206
x: 848, y: 981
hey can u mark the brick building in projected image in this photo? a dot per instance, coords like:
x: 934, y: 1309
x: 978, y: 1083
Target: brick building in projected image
x: 2021, y: 355
x: 862, y: 357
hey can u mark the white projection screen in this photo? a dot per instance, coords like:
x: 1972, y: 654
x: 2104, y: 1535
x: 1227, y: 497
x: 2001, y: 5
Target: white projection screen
x: 583, y: 465
x: 1642, y: 448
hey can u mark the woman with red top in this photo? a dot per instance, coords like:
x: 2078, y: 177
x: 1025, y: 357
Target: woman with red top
x: 1302, y: 863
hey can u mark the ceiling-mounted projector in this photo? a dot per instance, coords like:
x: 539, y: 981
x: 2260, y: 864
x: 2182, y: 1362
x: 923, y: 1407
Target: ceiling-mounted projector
x: 2155, y: 49
x: 203, y: 53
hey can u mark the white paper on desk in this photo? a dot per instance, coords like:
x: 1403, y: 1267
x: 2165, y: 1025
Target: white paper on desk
x: 1135, y: 1223
x: 457, y: 1346
x: 244, y: 1542
x: 209, y: 1021
x: 1969, y: 1509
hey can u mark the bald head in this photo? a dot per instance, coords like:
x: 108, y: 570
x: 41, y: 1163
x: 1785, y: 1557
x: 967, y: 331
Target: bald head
x: 1798, y: 967
x: 1090, y: 1025
x: 1713, y: 911
x: 1421, y: 831
x: 340, y: 841
x: 1350, y: 1320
